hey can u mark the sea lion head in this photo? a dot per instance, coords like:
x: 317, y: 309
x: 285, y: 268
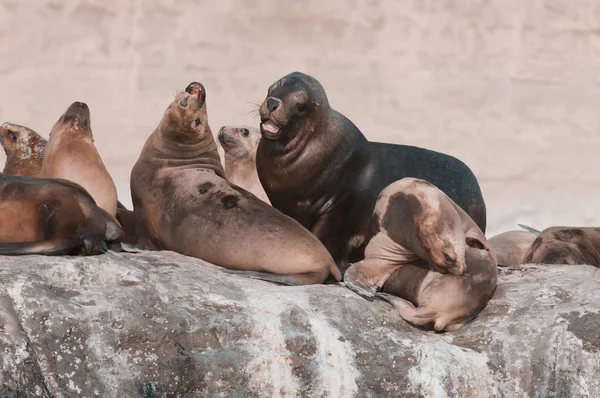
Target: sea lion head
x: 239, y: 142
x: 185, y: 120
x: 565, y: 245
x: 21, y: 142
x: 76, y: 118
x: 290, y: 101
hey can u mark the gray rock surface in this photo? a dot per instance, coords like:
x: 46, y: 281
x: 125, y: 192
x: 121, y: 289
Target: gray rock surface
x: 156, y: 324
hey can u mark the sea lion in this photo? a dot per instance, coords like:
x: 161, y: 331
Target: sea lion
x: 52, y: 217
x: 510, y: 247
x: 566, y: 245
x: 181, y: 197
x: 240, y: 144
x: 426, y: 256
x: 317, y: 167
x: 71, y: 155
x: 24, y: 150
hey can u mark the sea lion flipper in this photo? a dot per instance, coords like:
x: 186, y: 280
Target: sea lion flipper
x: 114, y: 231
x: 527, y: 228
x: 50, y: 247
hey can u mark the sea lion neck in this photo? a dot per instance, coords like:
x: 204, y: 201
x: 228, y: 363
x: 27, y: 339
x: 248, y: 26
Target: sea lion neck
x: 197, y: 150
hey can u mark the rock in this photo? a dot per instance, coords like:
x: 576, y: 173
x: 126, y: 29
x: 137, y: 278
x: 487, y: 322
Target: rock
x: 159, y: 324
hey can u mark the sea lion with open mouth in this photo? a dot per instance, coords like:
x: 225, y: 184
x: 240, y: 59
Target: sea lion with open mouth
x: 317, y: 167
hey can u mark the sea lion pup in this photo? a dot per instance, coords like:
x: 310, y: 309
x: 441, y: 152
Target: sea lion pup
x: 510, y: 247
x: 181, y: 197
x: 240, y: 144
x: 24, y: 150
x: 52, y: 217
x: 317, y: 167
x: 71, y: 155
x: 427, y: 256
x: 566, y: 245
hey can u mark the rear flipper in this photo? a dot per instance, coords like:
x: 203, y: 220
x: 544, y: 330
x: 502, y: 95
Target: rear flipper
x: 532, y: 230
x: 309, y: 278
x: 417, y: 316
x: 53, y: 247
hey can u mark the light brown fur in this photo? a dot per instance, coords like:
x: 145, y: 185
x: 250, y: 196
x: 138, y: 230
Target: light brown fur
x: 71, y: 154
x: 184, y: 202
x: 24, y: 150
x: 511, y: 247
x: 240, y: 144
x: 566, y: 245
x: 427, y: 257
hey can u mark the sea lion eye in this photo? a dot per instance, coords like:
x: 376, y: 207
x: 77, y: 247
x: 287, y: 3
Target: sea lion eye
x: 12, y: 136
x: 184, y: 102
x: 197, y: 121
x: 245, y: 132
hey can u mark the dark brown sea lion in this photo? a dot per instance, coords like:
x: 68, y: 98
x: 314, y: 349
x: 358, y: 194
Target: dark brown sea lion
x: 51, y: 216
x: 240, y: 144
x: 427, y: 257
x: 566, y: 245
x: 24, y: 150
x: 181, y: 197
x: 511, y: 247
x: 317, y: 167
x: 71, y: 155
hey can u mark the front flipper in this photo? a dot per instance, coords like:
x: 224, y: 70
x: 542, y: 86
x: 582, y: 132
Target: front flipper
x: 367, y: 277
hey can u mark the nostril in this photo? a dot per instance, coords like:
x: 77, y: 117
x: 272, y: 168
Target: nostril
x: 272, y: 104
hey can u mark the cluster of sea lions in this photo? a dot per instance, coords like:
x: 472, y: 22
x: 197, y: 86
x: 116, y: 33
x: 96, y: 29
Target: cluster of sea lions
x: 304, y: 198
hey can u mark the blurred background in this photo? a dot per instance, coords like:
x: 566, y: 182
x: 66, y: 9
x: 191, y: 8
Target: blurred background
x: 510, y: 87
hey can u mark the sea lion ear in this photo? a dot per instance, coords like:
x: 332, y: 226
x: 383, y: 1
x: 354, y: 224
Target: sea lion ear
x: 195, y: 88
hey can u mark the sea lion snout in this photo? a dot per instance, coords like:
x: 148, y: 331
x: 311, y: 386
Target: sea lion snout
x: 273, y: 104
x: 227, y: 137
x: 78, y: 112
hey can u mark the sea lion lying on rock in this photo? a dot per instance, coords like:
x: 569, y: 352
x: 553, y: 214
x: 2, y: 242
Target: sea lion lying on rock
x: 181, y: 197
x: 51, y: 216
x: 566, y: 245
x: 511, y: 247
x: 426, y: 256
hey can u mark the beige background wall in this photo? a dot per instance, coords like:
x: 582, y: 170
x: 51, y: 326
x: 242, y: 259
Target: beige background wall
x: 509, y: 86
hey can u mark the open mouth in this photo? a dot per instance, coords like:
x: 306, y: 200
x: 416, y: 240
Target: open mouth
x: 269, y: 129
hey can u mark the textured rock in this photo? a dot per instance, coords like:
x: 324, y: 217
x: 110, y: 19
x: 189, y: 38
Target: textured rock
x: 160, y: 324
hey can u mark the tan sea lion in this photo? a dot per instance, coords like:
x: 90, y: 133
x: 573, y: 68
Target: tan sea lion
x: 317, y: 167
x: 71, y: 155
x: 240, y: 144
x: 426, y: 256
x: 24, y: 150
x: 52, y: 217
x: 510, y: 247
x: 566, y: 245
x: 181, y: 197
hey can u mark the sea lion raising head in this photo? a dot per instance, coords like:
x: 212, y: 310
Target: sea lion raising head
x: 182, y: 199
x: 24, y: 150
x: 71, y: 154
